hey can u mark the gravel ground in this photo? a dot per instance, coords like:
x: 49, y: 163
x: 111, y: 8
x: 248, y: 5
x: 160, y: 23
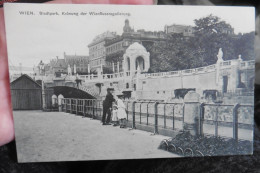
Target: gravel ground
x: 47, y: 136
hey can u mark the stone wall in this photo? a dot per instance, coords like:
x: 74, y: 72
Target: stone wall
x: 162, y: 88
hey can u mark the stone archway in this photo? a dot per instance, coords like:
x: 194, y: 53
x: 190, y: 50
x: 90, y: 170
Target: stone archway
x: 136, y: 55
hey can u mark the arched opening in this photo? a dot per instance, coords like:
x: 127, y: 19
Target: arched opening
x: 70, y: 92
x: 127, y: 85
x: 139, y: 62
x: 60, y: 97
x: 128, y: 64
x: 54, y: 100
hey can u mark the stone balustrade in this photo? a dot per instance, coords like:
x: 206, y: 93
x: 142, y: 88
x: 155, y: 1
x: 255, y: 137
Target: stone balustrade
x: 117, y: 76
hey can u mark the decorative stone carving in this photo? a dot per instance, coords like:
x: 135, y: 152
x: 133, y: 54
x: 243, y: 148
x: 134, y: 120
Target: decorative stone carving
x: 138, y: 56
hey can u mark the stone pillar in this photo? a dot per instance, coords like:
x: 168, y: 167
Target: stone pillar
x: 101, y: 68
x: 234, y: 75
x: 138, y: 86
x: 191, y: 112
x: 99, y: 73
x: 88, y: 69
x: 118, y: 67
x: 123, y: 68
x: 75, y: 69
x: 43, y: 96
x: 219, y: 83
x: 60, y: 97
x: 113, y: 66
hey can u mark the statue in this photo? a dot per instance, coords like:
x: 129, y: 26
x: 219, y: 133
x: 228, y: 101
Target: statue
x: 69, y: 70
x: 220, y: 55
x: 239, y: 58
x: 41, y: 68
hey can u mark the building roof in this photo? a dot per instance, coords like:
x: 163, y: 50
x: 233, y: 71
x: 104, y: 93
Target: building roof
x: 75, y: 56
x: 102, y: 37
x: 25, y: 76
x: 136, y: 46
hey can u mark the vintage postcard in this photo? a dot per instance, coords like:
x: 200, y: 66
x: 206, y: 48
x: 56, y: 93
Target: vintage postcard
x: 102, y: 82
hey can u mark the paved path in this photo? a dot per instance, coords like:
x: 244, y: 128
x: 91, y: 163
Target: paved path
x: 48, y: 136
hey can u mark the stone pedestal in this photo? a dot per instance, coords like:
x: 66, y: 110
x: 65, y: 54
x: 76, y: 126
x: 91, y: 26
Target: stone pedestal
x: 191, y: 112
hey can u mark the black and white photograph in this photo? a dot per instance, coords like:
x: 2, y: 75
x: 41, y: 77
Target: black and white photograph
x: 113, y: 82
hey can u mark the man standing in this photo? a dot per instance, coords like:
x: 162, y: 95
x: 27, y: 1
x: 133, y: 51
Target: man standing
x: 107, y: 104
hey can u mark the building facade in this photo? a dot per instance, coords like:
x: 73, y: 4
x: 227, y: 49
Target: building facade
x: 186, y: 31
x: 97, y: 50
x: 116, y: 47
x: 77, y: 63
x: 80, y: 62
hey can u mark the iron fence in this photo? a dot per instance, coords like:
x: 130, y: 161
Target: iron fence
x: 214, y: 119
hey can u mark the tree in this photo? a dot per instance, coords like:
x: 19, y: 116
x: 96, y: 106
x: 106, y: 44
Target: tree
x: 244, y: 46
x: 176, y: 53
x: 115, y: 57
x: 212, y: 33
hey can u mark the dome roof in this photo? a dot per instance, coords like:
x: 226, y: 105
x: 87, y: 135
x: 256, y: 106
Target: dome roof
x: 136, y: 46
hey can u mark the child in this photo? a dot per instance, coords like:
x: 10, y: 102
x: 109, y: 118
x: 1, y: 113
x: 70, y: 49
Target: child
x: 114, y: 114
x: 121, y: 113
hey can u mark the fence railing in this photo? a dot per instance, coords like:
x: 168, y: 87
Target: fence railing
x: 160, y: 116
x: 85, y: 107
x: 226, y: 115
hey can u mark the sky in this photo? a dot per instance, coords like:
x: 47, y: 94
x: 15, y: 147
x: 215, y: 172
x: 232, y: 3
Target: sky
x: 32, y: 38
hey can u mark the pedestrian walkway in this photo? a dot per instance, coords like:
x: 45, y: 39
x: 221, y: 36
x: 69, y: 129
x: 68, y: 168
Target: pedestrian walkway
x: 58, y: 136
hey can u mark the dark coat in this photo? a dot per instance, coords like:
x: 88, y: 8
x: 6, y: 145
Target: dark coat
x: 108, y: 100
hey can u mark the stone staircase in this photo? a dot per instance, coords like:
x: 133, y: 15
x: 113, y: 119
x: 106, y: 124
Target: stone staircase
x: 89, y: 90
